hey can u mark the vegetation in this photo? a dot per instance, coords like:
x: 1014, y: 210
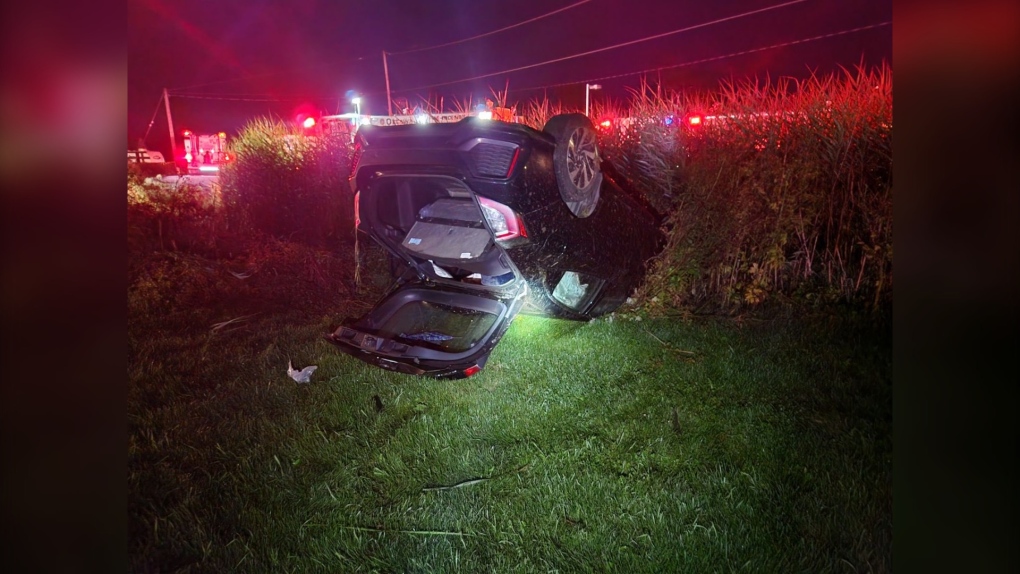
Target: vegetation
x: 656, y: 439
x: 288, y: 185
x: 784, y: 190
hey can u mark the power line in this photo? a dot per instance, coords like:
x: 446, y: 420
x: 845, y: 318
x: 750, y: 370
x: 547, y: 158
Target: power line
x: 613, y: 47
x: 574, y: 5
x: 257, y: 98
x: 713, y: 58
x: 360, y: 58
x: 247, y: 99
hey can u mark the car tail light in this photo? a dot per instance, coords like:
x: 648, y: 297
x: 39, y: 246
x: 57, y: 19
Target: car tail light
x: 513, y: 162
x: 505, y: 224
x: 355, y: 158
x: 473, y: 369
x: 357, y: 210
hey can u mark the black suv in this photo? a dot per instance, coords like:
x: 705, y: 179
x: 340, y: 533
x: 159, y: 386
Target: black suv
x: 491, y: 219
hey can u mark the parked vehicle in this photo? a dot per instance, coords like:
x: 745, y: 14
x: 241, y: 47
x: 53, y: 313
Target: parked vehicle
x: 205, y: 153
x: 491, y: 219
x: 142, y: 155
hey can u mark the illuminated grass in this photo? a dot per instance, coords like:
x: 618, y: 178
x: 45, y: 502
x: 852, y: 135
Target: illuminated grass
x: 621, y: 446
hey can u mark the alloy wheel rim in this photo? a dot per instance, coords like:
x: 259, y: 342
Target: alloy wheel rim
x: 582, y: 157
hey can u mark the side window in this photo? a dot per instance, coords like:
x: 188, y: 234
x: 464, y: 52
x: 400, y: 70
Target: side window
x: 575, y: 290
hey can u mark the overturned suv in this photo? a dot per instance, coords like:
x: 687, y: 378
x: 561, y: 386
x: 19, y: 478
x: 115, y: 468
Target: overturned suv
x: 491, y: 219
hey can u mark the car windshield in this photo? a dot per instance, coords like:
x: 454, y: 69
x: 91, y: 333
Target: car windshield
x: 437, y: 326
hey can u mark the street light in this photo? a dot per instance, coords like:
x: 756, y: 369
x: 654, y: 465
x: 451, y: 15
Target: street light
x: 587, y: 99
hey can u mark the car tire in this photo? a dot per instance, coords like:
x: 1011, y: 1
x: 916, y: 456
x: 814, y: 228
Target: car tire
x: 576, y: 161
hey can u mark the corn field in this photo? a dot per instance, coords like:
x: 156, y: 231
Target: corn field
x: 782, y: 191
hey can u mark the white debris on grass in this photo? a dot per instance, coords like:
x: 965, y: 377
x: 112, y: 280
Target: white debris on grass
x: 302, y: 376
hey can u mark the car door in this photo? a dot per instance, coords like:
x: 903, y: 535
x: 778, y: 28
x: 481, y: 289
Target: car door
x: 431, y: 330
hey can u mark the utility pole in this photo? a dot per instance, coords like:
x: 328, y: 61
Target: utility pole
x: 170, y: 124
x: 386, y: 72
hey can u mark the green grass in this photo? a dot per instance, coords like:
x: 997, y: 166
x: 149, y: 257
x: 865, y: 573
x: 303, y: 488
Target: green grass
x: 762, y: 445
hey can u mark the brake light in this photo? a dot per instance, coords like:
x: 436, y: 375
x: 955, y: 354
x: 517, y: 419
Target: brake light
x: 357, y: 210
x: 505, y: 224
x: 355, y: 158
x: 513, y: 162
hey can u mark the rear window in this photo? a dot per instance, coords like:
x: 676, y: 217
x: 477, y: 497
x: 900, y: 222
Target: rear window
x: 438, y: 326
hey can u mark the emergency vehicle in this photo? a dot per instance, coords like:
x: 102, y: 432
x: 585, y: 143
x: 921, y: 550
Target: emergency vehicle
x: 346, y: 125
x: 205, y: 153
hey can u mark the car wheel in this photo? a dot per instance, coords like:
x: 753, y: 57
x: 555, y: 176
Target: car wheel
x: 576, y: 161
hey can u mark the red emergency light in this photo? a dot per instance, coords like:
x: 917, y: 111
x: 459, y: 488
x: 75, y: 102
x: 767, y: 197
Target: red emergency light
x: 695, y: 120
x: 308, y: 123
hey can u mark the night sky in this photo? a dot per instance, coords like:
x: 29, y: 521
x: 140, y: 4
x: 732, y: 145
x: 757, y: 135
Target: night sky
x: 229, y: 61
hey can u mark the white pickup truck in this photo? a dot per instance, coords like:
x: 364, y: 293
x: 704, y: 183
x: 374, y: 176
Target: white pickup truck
x: 144, y: 156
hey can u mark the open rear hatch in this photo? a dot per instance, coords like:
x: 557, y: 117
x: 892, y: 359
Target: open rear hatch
x: 446, y: 321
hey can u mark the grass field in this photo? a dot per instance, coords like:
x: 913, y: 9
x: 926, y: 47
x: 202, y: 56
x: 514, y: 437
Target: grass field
x: 760, y: 445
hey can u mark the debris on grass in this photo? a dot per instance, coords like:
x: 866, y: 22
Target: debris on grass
x: 302, y: 376
x: 476, y: 480
x: 219, y: 326
x: 669, y: 346
x: 422, y: 532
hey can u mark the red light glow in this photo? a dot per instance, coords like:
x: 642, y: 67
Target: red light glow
x: 357, y: 210
x: 473, y: 369
x: 513, y: 162
x: 309, y: 122
x: 695, y: 120
x: 606, y: 123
